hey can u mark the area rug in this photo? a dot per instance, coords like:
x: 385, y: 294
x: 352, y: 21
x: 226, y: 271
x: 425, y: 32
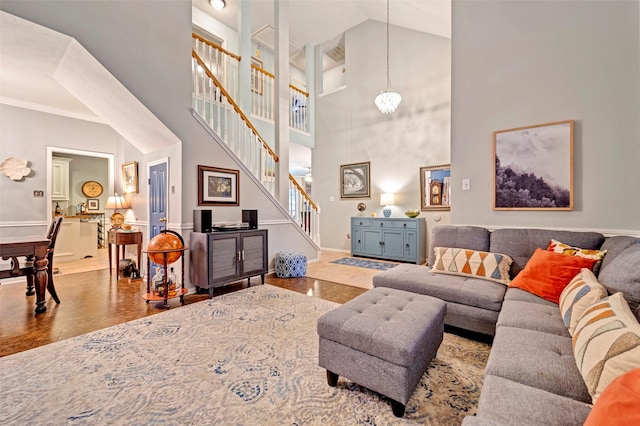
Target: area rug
x: 244, y: 358
x: 365, y: 263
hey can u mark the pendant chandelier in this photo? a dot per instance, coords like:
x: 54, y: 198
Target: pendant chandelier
x: 388, y: 100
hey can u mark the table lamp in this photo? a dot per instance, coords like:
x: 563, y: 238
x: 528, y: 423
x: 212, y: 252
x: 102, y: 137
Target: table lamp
x: 116, y: 202
x: 387, y: 200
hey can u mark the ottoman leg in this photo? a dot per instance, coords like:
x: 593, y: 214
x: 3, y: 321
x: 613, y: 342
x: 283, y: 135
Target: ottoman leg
x: 332, y: 379
x: 398, y: 408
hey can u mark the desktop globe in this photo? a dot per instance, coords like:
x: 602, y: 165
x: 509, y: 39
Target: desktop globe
x: 165, y: 241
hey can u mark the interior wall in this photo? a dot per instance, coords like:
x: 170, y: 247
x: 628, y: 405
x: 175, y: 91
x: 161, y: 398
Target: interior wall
x: 25, y: 134
x: 350, y: 129
x: 531, y: 62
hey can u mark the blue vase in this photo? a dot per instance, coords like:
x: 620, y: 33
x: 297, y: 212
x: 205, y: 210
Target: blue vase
x: 386, y: 212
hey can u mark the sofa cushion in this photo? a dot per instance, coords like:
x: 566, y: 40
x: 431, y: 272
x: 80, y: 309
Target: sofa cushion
x: 583, y: 291
x: 525, y: 296
x: 548, y: 273
x: 623, y: 274
x: 473, y: 263
x: 468, y: 237
x: 538, y: 360
x: 606, y: 343
x: 532, y: 316
x: 463, y: 290
x: 507, y: 402
x: 618, y: 404
x: 614, y: 246
x: 519, y: 244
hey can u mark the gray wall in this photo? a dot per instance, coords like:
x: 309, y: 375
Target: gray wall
x: 531, y: 62
x: 350, y: 129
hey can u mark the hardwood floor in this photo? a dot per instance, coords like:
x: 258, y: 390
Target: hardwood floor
x: 92, y: 300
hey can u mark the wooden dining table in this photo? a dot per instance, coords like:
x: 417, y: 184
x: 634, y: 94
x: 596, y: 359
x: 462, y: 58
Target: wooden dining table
x: 30, y: 246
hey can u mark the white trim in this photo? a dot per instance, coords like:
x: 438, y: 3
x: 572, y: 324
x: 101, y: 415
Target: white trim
x: 605, y: 232
x: 23, y: 224
x: 148, y: 199
x: 50, y: 110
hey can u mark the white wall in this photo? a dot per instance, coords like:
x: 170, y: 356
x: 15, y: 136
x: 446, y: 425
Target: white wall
x: 530, y: 62
x: 350, y: 129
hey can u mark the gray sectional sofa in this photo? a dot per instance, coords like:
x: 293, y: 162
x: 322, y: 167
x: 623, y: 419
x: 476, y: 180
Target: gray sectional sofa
x: 531, y: 375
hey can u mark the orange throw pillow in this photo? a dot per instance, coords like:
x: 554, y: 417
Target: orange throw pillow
x: 619, y: 403
x: 547, y: 273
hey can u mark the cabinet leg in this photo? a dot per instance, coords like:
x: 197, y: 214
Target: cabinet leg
x: 249, y: 282
x: 262, y: 277
x: 211, y: 290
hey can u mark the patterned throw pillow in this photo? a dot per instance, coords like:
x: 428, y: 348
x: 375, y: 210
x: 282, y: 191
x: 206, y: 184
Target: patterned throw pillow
x: 583, y: 291
x: 606, y: 343
x: 477, y: 264
x: 558, y: 247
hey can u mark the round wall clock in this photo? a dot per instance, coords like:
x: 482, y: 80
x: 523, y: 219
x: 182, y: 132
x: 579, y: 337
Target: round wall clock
x: 92, y: 189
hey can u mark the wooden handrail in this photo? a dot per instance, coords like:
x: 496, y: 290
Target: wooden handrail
x: 234, y: 105
x: 215, y: 46
x: 263, y: 71
x: 297, y: 185
x: 268, y: 74
x: 299, y: 90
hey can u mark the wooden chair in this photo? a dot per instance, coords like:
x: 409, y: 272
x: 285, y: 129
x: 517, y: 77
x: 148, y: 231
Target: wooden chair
x: 28, y: 268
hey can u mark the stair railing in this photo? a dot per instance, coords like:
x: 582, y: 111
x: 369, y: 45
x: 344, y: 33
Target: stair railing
x: 222, y: 63
x: 218, y: 109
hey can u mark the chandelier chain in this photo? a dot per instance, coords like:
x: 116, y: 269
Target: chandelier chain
x: 388, y: 79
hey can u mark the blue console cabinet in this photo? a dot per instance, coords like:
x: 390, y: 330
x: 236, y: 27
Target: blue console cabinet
x: 389, y: 238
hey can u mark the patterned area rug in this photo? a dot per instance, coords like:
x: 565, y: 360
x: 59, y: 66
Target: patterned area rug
x: 365, y: 263
x: 244, y: 358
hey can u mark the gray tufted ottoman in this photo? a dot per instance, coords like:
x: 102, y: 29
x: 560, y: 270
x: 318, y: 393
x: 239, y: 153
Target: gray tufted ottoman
x: 383, y: 340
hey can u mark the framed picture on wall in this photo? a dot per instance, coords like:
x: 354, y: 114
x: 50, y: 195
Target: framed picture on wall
x: 93, y: 204
x: 355, y: 180
x: 533, y: 167
x: 130, y: 177
x: 435, y: 187
x: 218, y: 187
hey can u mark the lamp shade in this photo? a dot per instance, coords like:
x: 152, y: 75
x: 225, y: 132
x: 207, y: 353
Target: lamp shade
x: 387, y: 199
x: 117, y: 202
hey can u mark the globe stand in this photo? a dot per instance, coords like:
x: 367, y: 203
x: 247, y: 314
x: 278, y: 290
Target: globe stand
x: 165, y: 260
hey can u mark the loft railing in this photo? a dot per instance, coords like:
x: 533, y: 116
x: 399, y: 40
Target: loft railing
x: 299, y: 101
x: 216, y: 106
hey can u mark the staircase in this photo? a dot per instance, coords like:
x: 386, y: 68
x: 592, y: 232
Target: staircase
x: 215, y: 86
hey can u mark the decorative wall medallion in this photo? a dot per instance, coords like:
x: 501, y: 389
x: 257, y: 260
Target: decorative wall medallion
x: 14, y: 168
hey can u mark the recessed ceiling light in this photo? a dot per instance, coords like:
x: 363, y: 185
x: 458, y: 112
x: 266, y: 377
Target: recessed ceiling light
x: 217, y: 4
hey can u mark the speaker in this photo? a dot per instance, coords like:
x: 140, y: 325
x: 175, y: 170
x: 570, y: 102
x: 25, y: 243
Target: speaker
x: 202, y: 221
x: 250, y: 217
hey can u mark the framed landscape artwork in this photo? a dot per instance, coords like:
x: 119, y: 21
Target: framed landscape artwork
x: 355, y: 180
x: 435, y: 188
x: 534, y: 167
x: 218, y: 187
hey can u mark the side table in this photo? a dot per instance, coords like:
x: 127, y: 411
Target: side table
x: 124, y: 238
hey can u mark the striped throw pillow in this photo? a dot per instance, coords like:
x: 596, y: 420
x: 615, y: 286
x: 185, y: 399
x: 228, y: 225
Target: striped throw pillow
x: 606, y: 343
x: 473, y: 263
x: 583, y: 291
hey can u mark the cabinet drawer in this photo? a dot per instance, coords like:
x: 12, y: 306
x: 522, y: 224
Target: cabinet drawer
x: 360, y: 221
x: 406, y: 224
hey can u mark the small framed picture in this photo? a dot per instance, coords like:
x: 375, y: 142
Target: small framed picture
x: 355, y: 180
x: 130, y: 177
x: 257, y: 76
x: 218, y: 187
x: 93, y: 204
x: 435, y: 188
